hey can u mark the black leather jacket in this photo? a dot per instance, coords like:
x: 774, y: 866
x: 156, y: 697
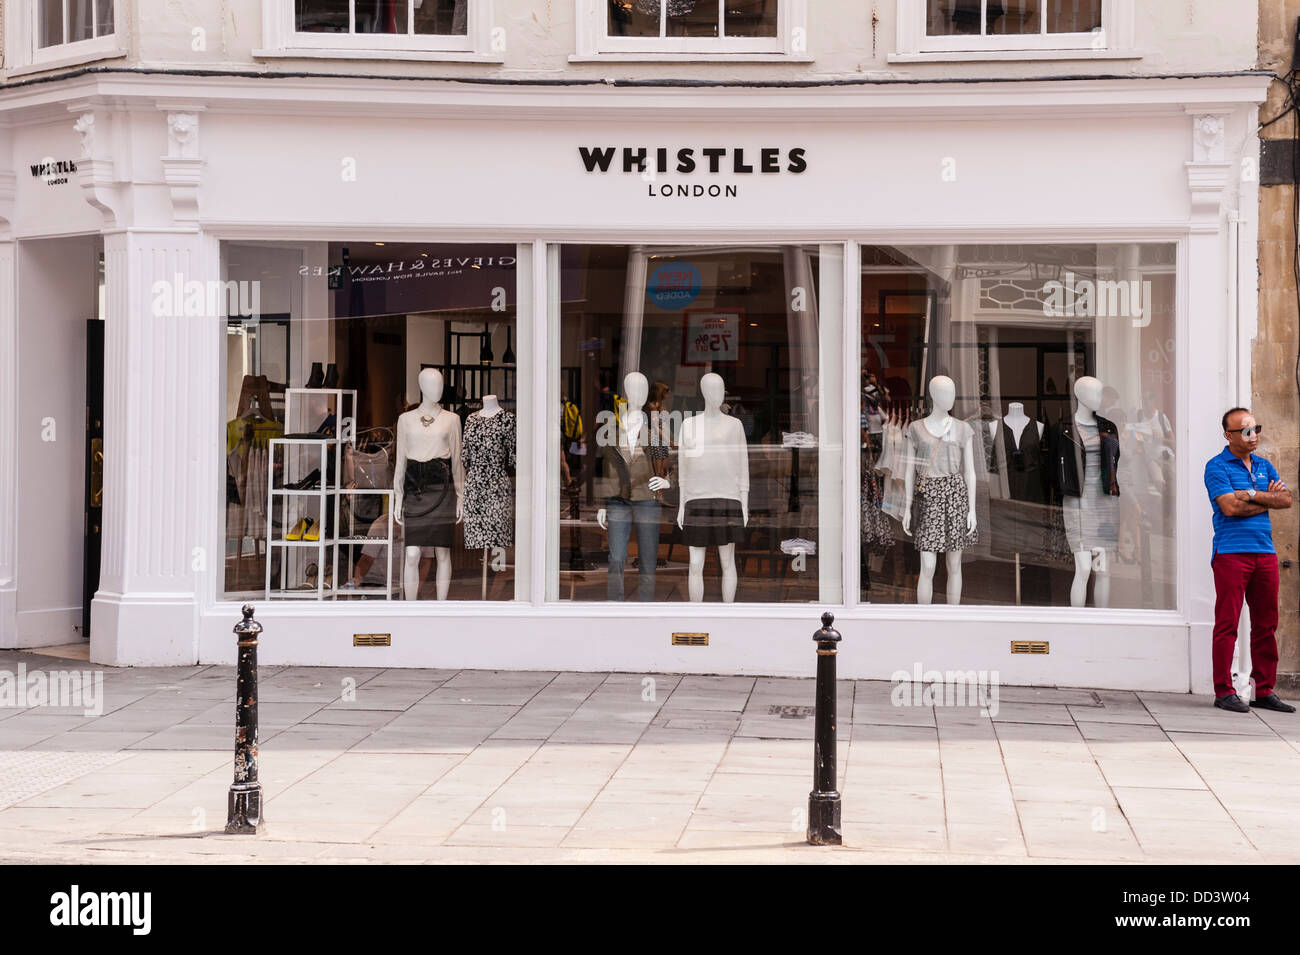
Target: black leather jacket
x: 1067, y: 457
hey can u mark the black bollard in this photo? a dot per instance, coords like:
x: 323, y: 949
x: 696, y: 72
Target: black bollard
x: 824, y: 800
x: 245, y: 806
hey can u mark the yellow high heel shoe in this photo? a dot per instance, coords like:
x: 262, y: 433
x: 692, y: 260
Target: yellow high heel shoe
x: 312, y: 531
x: 298, y: 529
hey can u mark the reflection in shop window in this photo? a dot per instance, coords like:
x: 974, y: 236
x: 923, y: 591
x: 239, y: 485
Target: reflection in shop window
x: 1028, y: 391
x: 689, y: 424
x: 370, y: 447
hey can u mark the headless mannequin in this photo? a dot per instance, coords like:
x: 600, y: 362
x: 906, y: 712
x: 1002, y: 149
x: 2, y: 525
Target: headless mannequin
x: 943, y: 395
x: 1087, y: 391
x: 711, y: 427
x: 1016, y: 420
x: 491, y: 408
x: 418, y: 442
x: 636, y: 389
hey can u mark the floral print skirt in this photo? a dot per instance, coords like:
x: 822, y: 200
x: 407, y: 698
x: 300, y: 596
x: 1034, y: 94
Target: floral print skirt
x: 943, y: 506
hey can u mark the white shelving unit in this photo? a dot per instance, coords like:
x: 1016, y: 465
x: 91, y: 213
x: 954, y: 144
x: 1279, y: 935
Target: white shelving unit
x: 293, y: 458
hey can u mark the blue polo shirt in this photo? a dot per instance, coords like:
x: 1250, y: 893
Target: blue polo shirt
x: 1225, y: 473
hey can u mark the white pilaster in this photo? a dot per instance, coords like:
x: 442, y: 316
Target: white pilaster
x: 8, y: 415
x: 8, y: 447
x: 162, y: 445
x: 1203, y: 375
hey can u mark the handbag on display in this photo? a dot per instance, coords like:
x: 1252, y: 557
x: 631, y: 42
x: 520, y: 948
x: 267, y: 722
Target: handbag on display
x: 366, y: 470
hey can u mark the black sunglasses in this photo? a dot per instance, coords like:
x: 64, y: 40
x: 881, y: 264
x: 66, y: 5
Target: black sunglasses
x: 1246, y: 432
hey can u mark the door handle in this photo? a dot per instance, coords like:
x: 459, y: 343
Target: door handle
x: 96, y: 472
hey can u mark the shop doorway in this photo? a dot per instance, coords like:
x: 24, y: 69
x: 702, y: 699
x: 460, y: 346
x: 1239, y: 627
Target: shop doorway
x: 94, y: 464
x: 60, y: 400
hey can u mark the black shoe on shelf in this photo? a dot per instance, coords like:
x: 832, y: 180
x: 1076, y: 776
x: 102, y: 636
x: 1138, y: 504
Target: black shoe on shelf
x: 310, y: 481
x: 1231, y: 702
x: 317, y: 375
x: 331, y: 376
x: 1271, y: 702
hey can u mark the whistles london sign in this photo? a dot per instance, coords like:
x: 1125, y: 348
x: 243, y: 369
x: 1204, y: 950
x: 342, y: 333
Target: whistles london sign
x: 651, y: 163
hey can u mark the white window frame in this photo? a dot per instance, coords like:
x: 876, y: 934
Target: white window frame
x: 1114, y: 40
x: 23, y: 56
x: 481, y: 43
x: 594, y: 42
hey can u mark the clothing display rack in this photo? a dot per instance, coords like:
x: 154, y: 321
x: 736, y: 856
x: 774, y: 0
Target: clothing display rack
x: 294, y: 459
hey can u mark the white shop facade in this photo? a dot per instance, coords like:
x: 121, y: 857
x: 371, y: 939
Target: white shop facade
x: 276, y: 266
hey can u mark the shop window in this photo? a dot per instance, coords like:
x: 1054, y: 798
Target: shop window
x: 372, y: 432
x: 970, y: 29
x: 442, y: 29
x: 44, y: 33
x: 685, y: 28
x: 1018, y: 425
x: 692, y: 456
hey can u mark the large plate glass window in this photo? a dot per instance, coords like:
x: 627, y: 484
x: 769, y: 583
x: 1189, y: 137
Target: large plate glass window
x: 371, y: 430
x: 1017, y: 414
x: 696, y: 433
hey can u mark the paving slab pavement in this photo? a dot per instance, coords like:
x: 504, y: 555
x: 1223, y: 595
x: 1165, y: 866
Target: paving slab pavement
x: 447, y: 766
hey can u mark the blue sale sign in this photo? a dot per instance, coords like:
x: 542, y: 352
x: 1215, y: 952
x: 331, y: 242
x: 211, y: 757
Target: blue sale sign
x: 674, y: 285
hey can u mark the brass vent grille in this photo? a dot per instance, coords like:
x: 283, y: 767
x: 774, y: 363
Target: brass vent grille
x: 1030, y: 646
x: 372, y: 639
x: 690, y: 639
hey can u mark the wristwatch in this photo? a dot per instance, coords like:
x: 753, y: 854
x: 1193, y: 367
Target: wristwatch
x: 1250, y: 493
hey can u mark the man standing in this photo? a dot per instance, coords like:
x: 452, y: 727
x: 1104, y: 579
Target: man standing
x: 1242, y: 490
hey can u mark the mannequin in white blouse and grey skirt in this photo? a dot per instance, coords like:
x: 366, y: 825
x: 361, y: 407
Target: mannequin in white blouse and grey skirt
x: 941, y: 450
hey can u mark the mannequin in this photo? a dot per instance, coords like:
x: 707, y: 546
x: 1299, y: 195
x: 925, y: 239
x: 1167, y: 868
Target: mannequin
x: 941, y: 450
x: 630, y: 484
x: 1085, y: 459
x: 713, y: 471
x: 428, y: 481
x: 1019, y: 461
x: 1016, y: 420
x: 488, y: 455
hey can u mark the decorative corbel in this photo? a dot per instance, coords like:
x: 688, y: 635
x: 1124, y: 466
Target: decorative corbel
x: 1208, y: 174
x: 182, y: 166
x: 94, y: 168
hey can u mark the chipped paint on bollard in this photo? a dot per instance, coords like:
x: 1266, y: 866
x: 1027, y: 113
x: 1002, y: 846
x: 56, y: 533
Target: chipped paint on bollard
x: 244, y: 811
x: 824, y: 800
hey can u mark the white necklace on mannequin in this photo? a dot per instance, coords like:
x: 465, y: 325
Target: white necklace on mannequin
x: 427, y: 420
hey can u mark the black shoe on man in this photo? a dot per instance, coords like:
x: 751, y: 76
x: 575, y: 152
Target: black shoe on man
x: 1231, y: 702
x: 1271, y: 702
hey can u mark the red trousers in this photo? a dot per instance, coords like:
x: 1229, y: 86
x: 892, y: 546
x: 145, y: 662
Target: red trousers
x: 1253, y: 577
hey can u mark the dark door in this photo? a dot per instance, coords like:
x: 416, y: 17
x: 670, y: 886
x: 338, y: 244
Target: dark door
x: 94, y: 495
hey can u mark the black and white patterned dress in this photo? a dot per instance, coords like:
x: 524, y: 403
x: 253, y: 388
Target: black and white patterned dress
x: 488, y: 449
